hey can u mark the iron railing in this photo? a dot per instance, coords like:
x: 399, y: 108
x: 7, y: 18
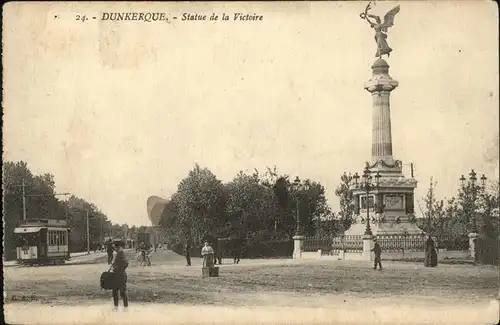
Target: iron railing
x: 313, y: 244
x: 348, y: 243
x: 407, y: 243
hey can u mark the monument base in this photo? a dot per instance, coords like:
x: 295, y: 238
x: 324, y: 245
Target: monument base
x: 390, y: 228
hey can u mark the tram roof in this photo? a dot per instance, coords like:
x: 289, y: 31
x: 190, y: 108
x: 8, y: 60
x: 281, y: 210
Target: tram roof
x: 26, y: 230
x: 29, y: 230
x: 44, y: 222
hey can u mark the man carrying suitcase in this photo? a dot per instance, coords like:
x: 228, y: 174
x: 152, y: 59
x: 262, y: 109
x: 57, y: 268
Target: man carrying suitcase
x: 120, y: 264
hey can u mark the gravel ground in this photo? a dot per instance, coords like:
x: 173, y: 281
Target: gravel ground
x: 343, y: 288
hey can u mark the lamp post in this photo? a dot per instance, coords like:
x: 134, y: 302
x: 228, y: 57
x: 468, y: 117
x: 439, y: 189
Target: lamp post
x: 474, y: 188
x: 471, y: 185
x: 298, y: 187
x: 87, y: 226
x: 368, y: 186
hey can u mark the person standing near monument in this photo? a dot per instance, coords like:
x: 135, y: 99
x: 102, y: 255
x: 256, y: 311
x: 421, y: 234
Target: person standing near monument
x: 378, y: 252
x: 187, y: 251
x: 430, y: 253
x: 120, y: 264
x: 207, y: 253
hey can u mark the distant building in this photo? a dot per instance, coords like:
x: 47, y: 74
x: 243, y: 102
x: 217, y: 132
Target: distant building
x: 155, y: 206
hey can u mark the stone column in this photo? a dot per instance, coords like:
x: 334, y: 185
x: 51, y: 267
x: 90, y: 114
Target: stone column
x: 380, y: 86
x: 297, y: 247
x: 367, y: 247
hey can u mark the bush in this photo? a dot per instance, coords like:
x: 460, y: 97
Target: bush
x: 488, y: 250
x: 282, y: 248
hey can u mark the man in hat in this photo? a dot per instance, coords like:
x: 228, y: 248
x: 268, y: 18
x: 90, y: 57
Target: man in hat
x: 110, y: 250
x: 378, y: 251
x: 120, y: 264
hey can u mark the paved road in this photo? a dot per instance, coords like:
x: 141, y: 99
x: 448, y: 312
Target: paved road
x: 76, y: 258
x: 81, y: 301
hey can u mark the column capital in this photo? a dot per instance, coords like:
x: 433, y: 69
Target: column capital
x: 380, y: 80
x: 381, y: 83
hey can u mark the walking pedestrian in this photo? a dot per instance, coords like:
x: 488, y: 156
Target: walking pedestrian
x: 378, y: 252
x: 187, y: 249
x: 110, y: 251
x: 120, y: 264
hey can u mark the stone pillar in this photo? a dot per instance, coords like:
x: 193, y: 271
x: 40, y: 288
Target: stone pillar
x: 367, y: 247
x: 297, y: 247
x: 472, y: 245
x: 380, y: 86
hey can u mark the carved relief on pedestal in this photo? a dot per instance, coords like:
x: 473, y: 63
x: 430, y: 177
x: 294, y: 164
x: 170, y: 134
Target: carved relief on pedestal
x: 394, y: 202
x: 383, y: 165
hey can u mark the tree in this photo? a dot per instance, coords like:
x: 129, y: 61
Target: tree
x: 434, y: 215
x: 250, y: 206
x: 346, y: 213
x: 76, y: 211
x: 42, y: 206
x: 171, y: 223
x: 314, y: 207
x: 41, y: 203
x: 200, y: 203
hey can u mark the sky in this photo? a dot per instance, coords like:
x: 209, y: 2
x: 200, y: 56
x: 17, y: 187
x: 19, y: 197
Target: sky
x: 120, y: 111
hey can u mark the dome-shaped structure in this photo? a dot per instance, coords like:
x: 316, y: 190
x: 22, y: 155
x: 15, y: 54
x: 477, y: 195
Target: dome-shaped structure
x: 155, y: 206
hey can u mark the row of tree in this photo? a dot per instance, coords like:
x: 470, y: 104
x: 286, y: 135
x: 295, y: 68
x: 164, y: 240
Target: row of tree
x: 42, y: 202
x: 264, y: 207
x: 254, y: 206
x: 473, y: 204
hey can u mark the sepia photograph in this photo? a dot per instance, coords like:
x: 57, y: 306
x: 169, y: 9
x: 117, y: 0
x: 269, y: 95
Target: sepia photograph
x: 300, y: 162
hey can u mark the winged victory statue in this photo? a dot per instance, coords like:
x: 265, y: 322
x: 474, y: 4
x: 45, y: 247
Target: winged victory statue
x: 380, y: 28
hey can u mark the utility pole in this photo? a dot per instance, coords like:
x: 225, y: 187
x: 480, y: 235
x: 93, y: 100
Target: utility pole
x: 24, y: 196
x: 88, y: 234
x: 24, y: 201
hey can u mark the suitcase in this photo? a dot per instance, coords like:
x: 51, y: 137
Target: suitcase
x: 214, y: 271
x: 211, y: 272
x: 108, y: 280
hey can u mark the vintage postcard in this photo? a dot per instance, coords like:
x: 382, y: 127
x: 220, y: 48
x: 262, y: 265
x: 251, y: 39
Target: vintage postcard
x: 324, y: 162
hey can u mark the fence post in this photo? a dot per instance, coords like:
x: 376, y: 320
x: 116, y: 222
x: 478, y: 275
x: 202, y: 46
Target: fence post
x: 297, y: 247
x: 367, y: 247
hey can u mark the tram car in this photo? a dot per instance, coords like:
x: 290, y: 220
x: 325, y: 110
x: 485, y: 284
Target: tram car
x: 42, y: 242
